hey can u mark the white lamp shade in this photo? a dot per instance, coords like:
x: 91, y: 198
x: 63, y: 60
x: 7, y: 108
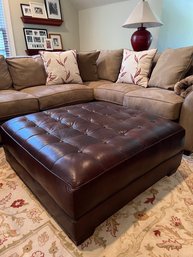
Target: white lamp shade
x: 142, y: 14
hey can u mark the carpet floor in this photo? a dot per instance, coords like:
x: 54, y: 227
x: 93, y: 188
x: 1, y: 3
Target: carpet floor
x: 157, y: 223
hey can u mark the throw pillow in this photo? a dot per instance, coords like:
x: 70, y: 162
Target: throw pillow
x: 22, y: 70
x: 87, y: 65
x: 61, y: 67
x: 109, y: 63
x: 136, y: 67
x: 171, y: 67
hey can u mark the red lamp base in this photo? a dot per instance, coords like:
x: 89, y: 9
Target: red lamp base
x: 141, y: 39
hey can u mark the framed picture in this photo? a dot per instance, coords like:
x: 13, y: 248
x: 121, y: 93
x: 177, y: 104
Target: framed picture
x: 35, y: 38
x: 53, y: 9
x: 38, y: 10
x: 26, y: 10
x: 56, y: 41
x: 48, y: 44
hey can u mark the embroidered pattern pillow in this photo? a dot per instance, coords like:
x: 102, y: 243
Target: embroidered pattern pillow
x: 136, y: 66
x: 61, y: 67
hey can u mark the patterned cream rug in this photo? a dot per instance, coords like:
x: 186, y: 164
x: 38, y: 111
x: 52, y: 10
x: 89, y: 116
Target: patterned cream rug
x: 158, y: 223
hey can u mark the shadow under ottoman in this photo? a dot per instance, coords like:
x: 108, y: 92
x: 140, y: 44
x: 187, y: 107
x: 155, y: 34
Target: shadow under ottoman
x: 84, y: 162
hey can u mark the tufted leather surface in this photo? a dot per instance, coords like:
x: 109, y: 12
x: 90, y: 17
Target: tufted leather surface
x: 82, y: 154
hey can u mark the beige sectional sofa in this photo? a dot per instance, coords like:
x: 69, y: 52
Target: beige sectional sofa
x: 23, y: 89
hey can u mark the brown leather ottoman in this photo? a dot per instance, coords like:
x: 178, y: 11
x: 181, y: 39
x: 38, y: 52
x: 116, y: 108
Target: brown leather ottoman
x: 84, y: 162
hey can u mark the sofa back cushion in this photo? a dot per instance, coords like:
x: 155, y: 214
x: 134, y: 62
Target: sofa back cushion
x: 109, y: 64
x: 171, y: 67
x: 5, y: 78
x: 154, y: 62
x: 87, y: 65
x: 27, y: 71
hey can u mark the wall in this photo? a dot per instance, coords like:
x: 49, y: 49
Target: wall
x: 101, y: 27
x: 69, y: 29
x: 178, y: 20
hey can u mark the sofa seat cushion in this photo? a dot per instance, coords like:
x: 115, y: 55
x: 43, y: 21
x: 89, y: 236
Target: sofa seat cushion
x: 161, y: 102
x: 59, y: 95
x: 113, y: 92
x: 14, y: 103
x: 94, y: 84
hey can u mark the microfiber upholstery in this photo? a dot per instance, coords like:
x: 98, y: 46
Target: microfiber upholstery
x: 5, y: 78
x: 14, y: 103
x: 87, y: 65
x: 59, y: 95
x: 161, y: 102
x: 26, y: 71
x: 109, y: 64
x: 113, y: 92
x: 171, y: 67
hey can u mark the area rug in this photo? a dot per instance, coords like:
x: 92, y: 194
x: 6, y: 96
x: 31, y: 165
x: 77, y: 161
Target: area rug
x: 157, y: 223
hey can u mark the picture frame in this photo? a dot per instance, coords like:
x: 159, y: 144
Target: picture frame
x: 56, y: 41
x: 48, y: 44
x: 53, y: 8
x: 38, y: 10
x: 35, y: 38
x: 26, y: 10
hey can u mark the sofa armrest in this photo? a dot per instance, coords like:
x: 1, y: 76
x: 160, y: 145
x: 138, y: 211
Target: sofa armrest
x: 186, y: 121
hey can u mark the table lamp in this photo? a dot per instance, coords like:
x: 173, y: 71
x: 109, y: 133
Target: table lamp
x: 141, y: 17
